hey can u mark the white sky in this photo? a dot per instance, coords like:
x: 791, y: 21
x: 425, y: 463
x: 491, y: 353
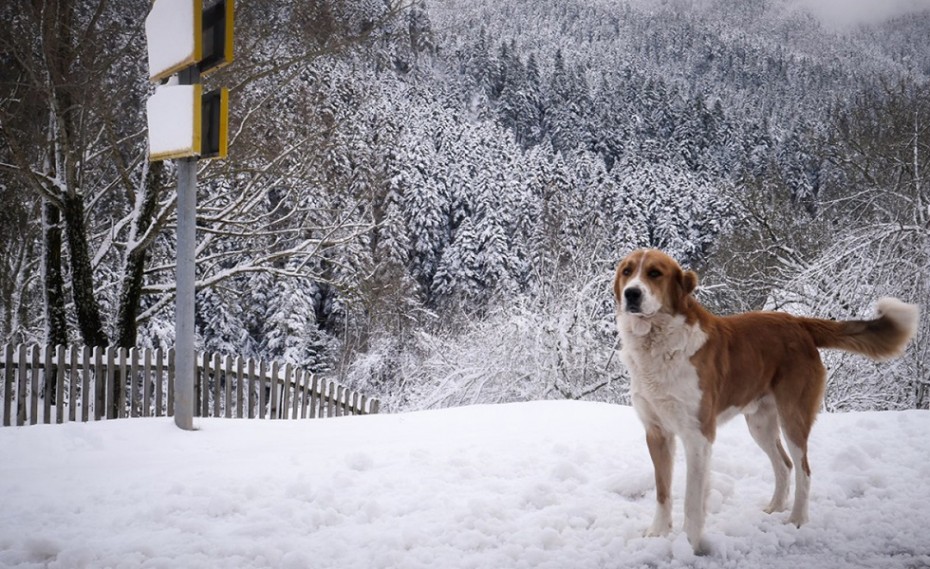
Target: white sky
x: 846, y: 13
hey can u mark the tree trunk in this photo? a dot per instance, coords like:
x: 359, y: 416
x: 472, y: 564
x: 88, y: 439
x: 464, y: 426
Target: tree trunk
x: 131, y: 290
x: 56, y: 323
x: 82, y: 273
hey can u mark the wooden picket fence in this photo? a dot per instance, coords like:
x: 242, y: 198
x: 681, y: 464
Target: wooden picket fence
x: 53, y: 384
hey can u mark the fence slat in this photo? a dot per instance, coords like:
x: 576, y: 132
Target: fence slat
x: 133, y: 382
x: 21, y: 399
x: 262, y: 389
x: 60, y: 384
x: 330, y: 399
x: 110, y: 388
x: 146, y: 383
x: 250, y: 383
x: 7, y: 384
x: 217, y: 386
x: 21, y: 382
x: 169, y: 403
x: 314, y: 394
x: 202, y: 382
x: 240, y: 363
x: 86, y: 393
x: 48, y: 383
x: 273, y: 388
x: 99, y: 383
x: 300, y: 404
x: 286, y: 388
x: 34, y: 380
x: 122, y: 393
x: 74, y: 384
x: 159, y: 381
x: 227, y: 386
x: 305, y: 394
x: 298, y: 373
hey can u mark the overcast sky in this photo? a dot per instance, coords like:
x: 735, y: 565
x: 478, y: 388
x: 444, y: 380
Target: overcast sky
x: 844, y: 13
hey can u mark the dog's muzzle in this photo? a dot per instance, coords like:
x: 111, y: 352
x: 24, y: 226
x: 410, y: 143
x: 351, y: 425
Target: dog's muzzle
x: 633, y: 298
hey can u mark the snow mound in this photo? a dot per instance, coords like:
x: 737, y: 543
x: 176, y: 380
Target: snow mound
x: 544, y: 484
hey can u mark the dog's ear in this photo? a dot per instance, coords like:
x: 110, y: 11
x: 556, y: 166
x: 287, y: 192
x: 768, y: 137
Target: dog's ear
x: 617, y: 284
x: 689, y: 282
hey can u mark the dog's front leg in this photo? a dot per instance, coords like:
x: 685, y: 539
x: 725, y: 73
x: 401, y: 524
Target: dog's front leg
x: 697, y: 455
x: 662, y: 451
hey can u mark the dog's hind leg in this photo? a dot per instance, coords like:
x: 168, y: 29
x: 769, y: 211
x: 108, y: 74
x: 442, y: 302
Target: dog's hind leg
x: 798, y: 403
x: 763, y: 426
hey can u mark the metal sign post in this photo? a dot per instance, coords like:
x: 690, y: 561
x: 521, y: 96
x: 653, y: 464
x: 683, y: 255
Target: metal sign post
x: 186, y: 276
x: 184, y: 303
x: 198, y: 134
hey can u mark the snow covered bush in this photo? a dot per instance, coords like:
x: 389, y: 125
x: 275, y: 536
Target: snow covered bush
x: 560, y: 344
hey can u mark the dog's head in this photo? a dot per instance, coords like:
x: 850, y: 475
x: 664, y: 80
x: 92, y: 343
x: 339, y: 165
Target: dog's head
x: 649, y: 282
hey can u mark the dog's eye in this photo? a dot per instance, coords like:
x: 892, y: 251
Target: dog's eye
x: 654, y: 274
x: 626, y: 272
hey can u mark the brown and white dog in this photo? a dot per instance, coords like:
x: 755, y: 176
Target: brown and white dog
x: 691, y: 370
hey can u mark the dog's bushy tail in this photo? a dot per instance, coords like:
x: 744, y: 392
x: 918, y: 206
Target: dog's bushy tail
x: 881, y: 338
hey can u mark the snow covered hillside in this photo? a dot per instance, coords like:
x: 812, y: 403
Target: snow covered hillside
x: 546, y: 484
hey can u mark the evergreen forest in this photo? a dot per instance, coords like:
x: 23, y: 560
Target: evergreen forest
x: 426, y: 200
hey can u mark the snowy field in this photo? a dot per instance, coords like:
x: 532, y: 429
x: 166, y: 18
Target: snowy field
x: 547, y: 484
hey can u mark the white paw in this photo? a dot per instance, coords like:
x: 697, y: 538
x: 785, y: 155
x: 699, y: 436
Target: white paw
x: 659, y: 530
x: 775, y: 507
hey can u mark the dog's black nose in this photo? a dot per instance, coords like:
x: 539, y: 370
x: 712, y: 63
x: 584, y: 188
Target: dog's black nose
x: 633, y: 296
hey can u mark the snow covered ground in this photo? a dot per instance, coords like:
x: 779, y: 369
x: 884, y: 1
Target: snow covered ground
x: 546, y: 484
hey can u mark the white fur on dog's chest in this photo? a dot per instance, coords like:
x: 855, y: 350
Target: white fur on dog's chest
x: 664, y: 385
